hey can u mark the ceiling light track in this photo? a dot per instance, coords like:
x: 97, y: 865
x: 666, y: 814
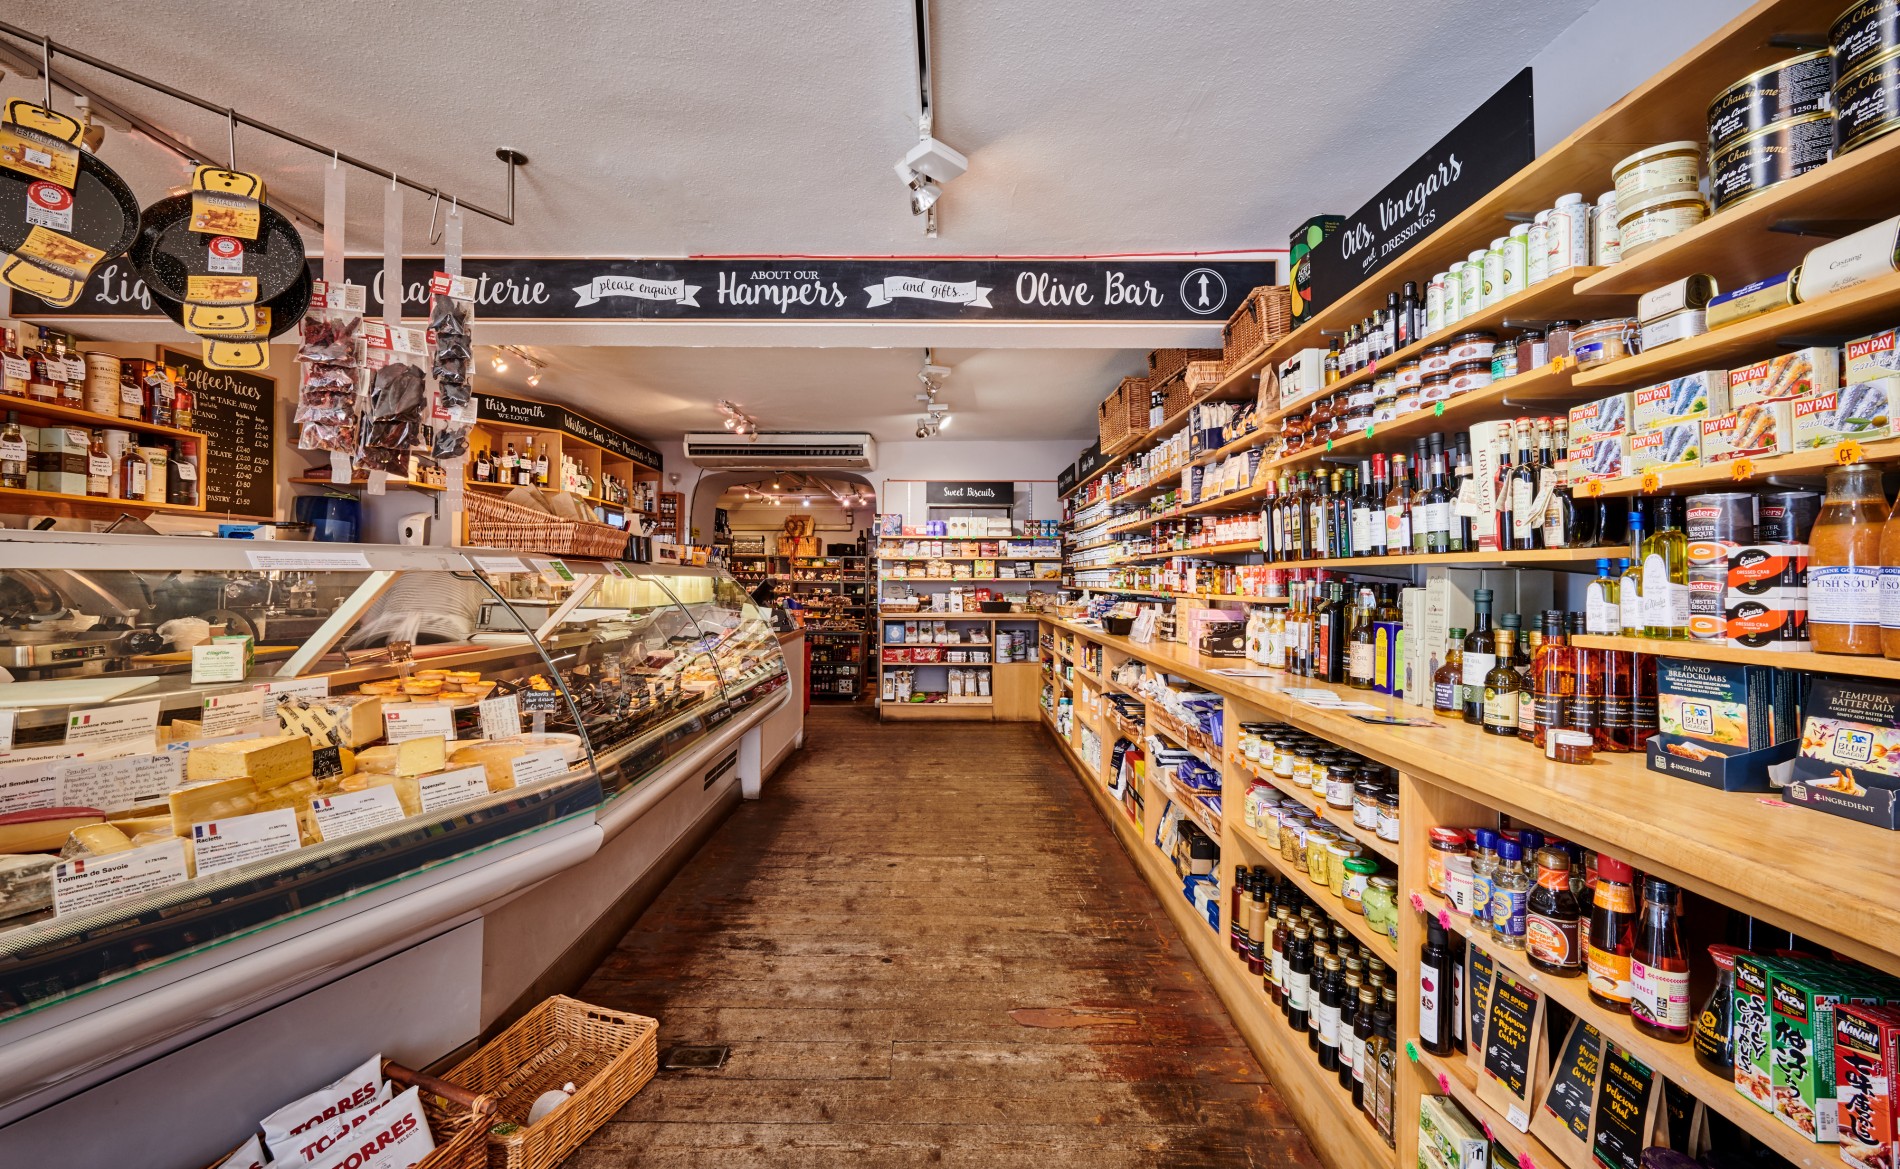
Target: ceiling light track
x: 930, y: 164
x: 48, y: 48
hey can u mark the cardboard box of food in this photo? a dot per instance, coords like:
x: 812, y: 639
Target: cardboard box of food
x: 1689, y: 398
x: 1866, y: 1075
x: 1676, y: 445
x: 1761, y: 428
x: 1605, y: 457
x: 1609, y: 415
x: 1801, y: 1005
x: 1815, y: 369
x: 1715, y: 702
x: 1873, y: 357
x: 1859, y: 411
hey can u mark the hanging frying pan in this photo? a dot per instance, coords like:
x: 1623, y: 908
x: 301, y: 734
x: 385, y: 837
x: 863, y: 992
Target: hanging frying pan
x: 245, y: 351
x: 167, y: 252
x: 104, y: 213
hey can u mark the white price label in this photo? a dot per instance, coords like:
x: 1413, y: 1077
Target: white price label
x: 28, y: 787
x: 308, y: 688
x: 501, y: 717
x: 187, y: 470
x: 219, y: 663
x: 116, y: 785
x: 537, y: 766
x: 126, y: 729
x: 239, y: 840
x: 90, y: 882
x: 16, y: 369
x: 445, y: 789
x: 132, y: 393
x: 229, y: 714
x: 340, y: 815
x: 265, y: 560
x: 495, y: 564
x: 405, y: 721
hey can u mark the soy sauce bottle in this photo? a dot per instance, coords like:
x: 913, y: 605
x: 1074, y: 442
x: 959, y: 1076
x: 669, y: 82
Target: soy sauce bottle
x: 1552, y: 939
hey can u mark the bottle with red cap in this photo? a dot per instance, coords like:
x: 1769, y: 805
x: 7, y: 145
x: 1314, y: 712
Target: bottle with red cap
x: 1612, y: 935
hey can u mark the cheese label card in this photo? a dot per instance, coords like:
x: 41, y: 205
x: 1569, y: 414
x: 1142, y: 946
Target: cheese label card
x: 340, y: 815
x: 445, y: 789
x: 404, y: 722
x: 495, y: 564
x: 267, y: 560
x: 1507, y: 1034
x: 6, y: 730
x: 89, y: 882
x: 218, y: 663
x: 230, y: 714
x: 305, y: 688
x: 501, y: 717
x: 554, y: 568
x: 126, y: 729
x: 237, y: 840
x: 538, y: 765
x: 540, y: 701
x: 114, y: 785
x: 29, y: 786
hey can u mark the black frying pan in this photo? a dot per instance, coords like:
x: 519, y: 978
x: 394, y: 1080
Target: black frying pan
x: 167, y: 252
x: 286, y: 309
x: 105, y: 212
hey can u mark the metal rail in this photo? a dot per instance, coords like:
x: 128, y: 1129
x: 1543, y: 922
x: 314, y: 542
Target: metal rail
x: 49, y: 48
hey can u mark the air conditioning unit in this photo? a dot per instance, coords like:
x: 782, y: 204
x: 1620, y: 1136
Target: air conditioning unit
x: 771, y: 450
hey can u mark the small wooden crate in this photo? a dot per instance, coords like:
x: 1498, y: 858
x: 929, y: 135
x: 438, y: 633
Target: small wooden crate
x: 607, y: 1055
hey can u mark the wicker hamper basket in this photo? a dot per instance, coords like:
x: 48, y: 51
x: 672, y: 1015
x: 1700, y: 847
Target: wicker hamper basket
x: 1123, y: 418
x: 1202, y: 377
x: 1175, y: 387
x: 607, y: 1055
x: 496, y: 523
x: 1166, y: 362
x: 1263, y: 318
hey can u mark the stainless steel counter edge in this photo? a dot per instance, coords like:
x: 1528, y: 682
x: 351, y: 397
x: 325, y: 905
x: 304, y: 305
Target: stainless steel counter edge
x: 622, y: 810
x: 67, y: 1048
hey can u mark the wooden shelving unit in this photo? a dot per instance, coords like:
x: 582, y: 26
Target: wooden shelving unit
x: 1859, y: 665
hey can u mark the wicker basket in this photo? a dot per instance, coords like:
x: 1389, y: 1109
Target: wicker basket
x: 1176, y: 389
x: 497, y: 523
x: 458, y: 1123
x: 1123, y: 416
x: 1263, y: 318
x: 607, y: 1055
x: 1167, y: 362
x: 1201, y: 378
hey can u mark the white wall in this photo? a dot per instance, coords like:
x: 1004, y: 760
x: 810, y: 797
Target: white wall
x: 1610, y: 50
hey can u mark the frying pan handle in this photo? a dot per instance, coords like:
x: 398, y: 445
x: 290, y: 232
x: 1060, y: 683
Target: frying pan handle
x: 49, y: 122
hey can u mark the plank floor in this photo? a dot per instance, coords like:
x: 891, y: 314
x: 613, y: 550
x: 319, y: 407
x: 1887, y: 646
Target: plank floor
x: 925, y: 948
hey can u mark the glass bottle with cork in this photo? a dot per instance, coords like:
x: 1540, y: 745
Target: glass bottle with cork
x: 1448, y: 683
x: 1529, y: 644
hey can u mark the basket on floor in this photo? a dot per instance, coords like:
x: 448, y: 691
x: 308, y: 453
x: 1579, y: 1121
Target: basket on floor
x: 458, y: 1120
x: 494, y: 522
x: 607, y: 1055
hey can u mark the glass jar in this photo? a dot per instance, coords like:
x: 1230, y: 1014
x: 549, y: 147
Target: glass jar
x: 1359, y: 873
x: 1270, y: 822
x: 1303, y: 765
x: 1504, y: 363
x: 1293, y: 829
x: 1558, y: 337
x: 1435, y: 359
x: 1599, y: 342
x: 1844, y: 563
x: 1380, y: 903
x: 1338, y: 852
x: 1339, y: 784
x: 1532, y: 350
x: 1318, y: 839
x: 1365, y: 804
x: 1445, y: 843
x: 1285, y: 757
x: 1385, y: 406
x: 1293, y: 433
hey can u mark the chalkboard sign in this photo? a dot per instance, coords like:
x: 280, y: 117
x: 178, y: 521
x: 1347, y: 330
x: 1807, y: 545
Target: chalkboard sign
x: 966, y: 493
x: 1513, y: 1031
x: 540, y: 701
x: 237, y: 412
x: 1622, y: 1112
x: 1565, y: 1112
x: 1478, y: 967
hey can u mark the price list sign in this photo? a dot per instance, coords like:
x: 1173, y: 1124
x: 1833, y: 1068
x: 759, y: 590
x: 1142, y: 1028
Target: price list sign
x: 237, y: 413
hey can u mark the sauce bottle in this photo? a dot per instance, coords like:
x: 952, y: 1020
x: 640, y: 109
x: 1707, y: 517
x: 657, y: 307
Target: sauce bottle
x: 1612, y: 930
x: 1448, y: 683
x: 1714, y: 1032
x: 98, y: 468
x: 1510, y: 888
x: 1554, y: 919
x: 1659, y: 974
x: 1435, y: 1003
x: 1844, y: 563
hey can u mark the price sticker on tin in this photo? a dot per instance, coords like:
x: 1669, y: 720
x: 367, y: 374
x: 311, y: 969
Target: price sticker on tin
x: 1742, y: 470
x: 1652, y: 482
x: 1848, y: 451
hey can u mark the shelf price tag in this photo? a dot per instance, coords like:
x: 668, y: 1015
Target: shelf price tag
x: 1411, y: 1051
x: 1593, y: 488
x: 1329, y: 446
x: 1368, y: 430
x: 1438, y: 411
x: 1444, y: 1082
x: 1418, y: 903
x: 1741, y: 470
x: 1444, y: 918
x: 1848, y: 451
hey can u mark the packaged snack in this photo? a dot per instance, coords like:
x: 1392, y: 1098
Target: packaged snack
x: 1866, y: 1073
x: 1605, y: 457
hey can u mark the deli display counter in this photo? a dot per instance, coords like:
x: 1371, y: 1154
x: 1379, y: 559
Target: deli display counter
x: 215, y: 752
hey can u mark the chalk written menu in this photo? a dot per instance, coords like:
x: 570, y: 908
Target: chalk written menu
x: 236, y: 412
x: 1622, y: 1110
x: 1573, y: 1084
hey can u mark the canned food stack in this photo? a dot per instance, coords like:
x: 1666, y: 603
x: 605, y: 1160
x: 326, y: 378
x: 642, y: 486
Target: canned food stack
x: 1865, y: 44
x: 1658, y: 194
x: 1748, y: 568
x: 1772, y: 126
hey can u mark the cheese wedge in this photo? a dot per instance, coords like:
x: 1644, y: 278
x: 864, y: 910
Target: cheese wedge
x: 335, y: 722
x: 100, y: 839
x: 133, y: 826
x: 411, y: 757
x: 494, y: 759
x: 42, y: 835
x: 271, y: 760
x: 408, y: 788
x: 215, y: 800
x: 183, y: 730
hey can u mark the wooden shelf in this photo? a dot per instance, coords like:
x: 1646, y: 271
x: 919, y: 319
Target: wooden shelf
x: 1813, y: 464
x: 1858, y: 665
x: 1674, y: 1060
x: 969, y: 579
x: 90, y: 506
x: 1319, y: 807
x: 1740, y: 245
x: 1456, y: 1079
x: 1322, y: 896
x: 1847, y: 313
x: 394, y: 484
x: 1535, y: 556
x: 1203, y: 550
x: 481, y: 485
x: 1708, y: 841
x: 1229, y: 388
x: 29, y: 408
x: 927, y: 559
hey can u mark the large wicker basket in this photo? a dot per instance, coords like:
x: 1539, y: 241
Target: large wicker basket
x: 1263, y: 318
x: 607, y: 1055
x: 497, y: 523
x: 1163, y: 363
x: 1123, y: 417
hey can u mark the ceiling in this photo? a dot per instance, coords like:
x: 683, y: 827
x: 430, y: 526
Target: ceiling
x: 993, y: 393
x: 662, y: 129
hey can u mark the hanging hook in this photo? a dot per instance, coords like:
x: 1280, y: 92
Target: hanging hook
x: 435, y: 204
x: 230, y: 122
x: 336, y: 156
x: 46, y: 67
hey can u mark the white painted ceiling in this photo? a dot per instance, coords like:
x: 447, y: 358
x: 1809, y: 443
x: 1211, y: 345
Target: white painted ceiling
x: 662, y: 129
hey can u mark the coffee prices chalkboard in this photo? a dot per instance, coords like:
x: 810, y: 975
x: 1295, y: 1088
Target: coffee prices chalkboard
x: 236, y: 411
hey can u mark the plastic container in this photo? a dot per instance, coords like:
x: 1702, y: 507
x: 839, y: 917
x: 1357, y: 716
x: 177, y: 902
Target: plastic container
x: 1671, y: 168
x: 1647, y: 222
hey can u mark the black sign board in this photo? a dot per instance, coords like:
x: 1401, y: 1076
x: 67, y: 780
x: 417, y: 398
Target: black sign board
x: 1573, y: 1084
x: 969, y: 494
x: 1088, y: 462
x: 1477, y: 992
x: 1065, y: 480
x: 1484, y: 150
x: 825, y: 288
x: 1622, y: 1110
x: 237, y: 412
x: 1508, y: 1032
x: 548, y: 416
x: 540, y: 701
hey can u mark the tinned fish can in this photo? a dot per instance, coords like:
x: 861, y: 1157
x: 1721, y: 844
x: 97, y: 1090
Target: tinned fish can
x: 1786, y: 516
x: 1866, y: 30
x: 1794, y: 88
x: 1867, y: 102
x: 1768, y: 158
x: 1730, y: 516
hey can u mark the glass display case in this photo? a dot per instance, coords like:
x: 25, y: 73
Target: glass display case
x: 200, y: 738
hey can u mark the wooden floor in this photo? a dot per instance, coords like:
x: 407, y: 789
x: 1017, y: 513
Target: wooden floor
x: 925, y: 948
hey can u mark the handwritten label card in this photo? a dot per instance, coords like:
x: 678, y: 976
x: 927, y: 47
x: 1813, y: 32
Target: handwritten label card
x: 115, y: 785
x: 239, y: 840
x: 501, y: 717
x: 219, y: 662
x: 1562, y: 1119
x: 90, y: 882
x: 1513, y: 1026
x: 340, y: 815
x: 1624, y: 1113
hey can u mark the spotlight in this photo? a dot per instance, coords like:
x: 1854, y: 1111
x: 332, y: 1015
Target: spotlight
x: 943, y: 420
x: 775, y: 485
x: 728, y: 424
x: 534, y: 379
x: 500, y: 365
